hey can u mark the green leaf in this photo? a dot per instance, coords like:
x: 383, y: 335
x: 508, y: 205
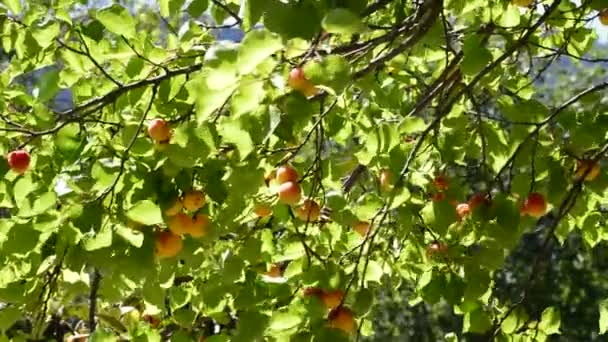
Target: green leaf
x: 254, y: 9
x: 102, y: 335
x: 373, y: 272
x: 197, y: 7
x: 550, y: 321
x: 102, y: 239
x: 476, y: 56
x: 69, y: 140
x: 439, y: 215
x: 170, y: 7
x: 221, y: 65
x: 603, y: 308
x: 510, y: 17
x: 145, y: 212
x: 255, y: 48
x: 117, y: 20
x: 207, y: 99
x: 233, y: 133
x: 44, y: 202
x: 333, y: 71
x: 13, y: 5
x: 516, y: 319
x: 45, y: 35
x: 47, y: 85
x: 342, y: 21
x: 476, y: 321
x: 133, y: 237
x: 9, y: 316
x: 281, y: 321
x: 412, y: 125
x: 282, y: 16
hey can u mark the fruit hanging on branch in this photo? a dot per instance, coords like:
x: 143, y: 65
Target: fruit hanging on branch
x: 309, y: 211
x: 286, y: 173
x: 342, y: 318
x: 289, y: 193
x: 297, y: 81
x: 159, y: 131
x: 534, y: 205
x: 361, y: 228
x: 19, y: 161
x: 194, y: 200
x: 168, y: 244
x: 587, y: 168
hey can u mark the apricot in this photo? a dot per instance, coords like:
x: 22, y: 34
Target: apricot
x: 534, y: 205
x: 589, y: 167
x: 175, y: 209
x: 309, y: 211
x: 168, y: 244
x: 332, y: 299
x: 438, y: 197
x: 199, y: 226
x: 312, y: 292
x: 180, y: 224
x: 463, y: 210
x: 343, y: 319
x: 194, y: 200
x: 19, y: 161
x: 441, y: 183
x: 477, y: 200
x: 362, y: 228
x: 297, y: 81
x: 262, y: 210
x: 386, y: 179
x: 159, y: 131
x: 604, y: 17
x: 290, y: 193
x: 274, y: 271
x: 286, y: 174
x: 436, y: 248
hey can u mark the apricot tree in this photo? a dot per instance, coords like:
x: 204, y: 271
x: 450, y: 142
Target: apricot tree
x: 263, y: 188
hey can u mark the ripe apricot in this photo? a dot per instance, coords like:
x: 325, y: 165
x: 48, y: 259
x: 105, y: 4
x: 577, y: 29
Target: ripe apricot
x: 19, y: 161
x: 386, y: 179
x: 309, y: 211
x: 159, y: 131
x: 343, y: 319
x: 441, y: 183
x: 290, y: 193
x: 262, y: 210
x: 361, y: 227
x: 180, y: 224
x: 332, y: 299
x: 286, y: 174
x: 591, y: 169
x: 175, y: 209
x: 534, y: 205
x: 194, y: 200
x: 168, y: 244
x: 463, y: 210
x: 199, y: 226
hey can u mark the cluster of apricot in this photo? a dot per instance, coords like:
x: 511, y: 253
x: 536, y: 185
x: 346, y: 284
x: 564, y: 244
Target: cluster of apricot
x: 289, y: 192
x: 182, y: 216
x: 182, y: 219
x: 339, y: 316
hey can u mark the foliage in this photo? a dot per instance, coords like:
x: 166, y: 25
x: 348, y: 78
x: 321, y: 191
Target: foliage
x: 439, y: 97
